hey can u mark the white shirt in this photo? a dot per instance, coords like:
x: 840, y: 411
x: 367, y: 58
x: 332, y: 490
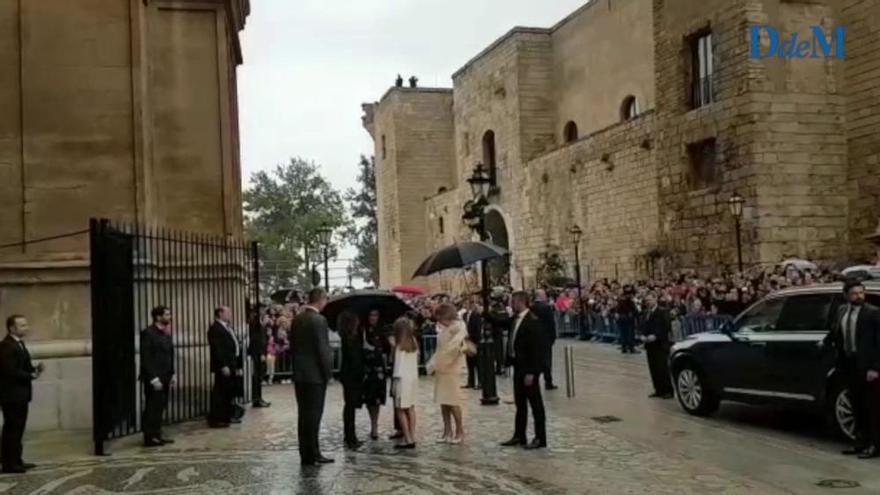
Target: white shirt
x: 848, y: 325
x: 519, y: 319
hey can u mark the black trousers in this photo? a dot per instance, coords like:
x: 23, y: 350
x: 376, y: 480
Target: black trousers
x: 865, y: 400
x: 473, y: 370
x: 14, y: 422
x: 348, y: 429
x: 525, y: 397
x: 548, y: 365
x: 658, y: 365
x: 155, y: 403
x: 627, y: 336
x: 257, y: 378
x: 222, y: 399
x: 310, y: 408
x: 500, y: 352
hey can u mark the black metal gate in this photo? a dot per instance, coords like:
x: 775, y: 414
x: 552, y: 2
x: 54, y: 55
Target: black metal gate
x: 134, y: 269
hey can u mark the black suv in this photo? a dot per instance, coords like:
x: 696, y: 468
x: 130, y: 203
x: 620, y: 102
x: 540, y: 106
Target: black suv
x: 771, y: 354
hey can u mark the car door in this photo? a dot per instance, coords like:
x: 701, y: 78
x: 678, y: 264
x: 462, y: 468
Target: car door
x: 739, y: 358
x: 796, y: 363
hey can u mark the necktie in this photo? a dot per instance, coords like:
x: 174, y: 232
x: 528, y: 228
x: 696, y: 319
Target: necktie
x: 851, y: 329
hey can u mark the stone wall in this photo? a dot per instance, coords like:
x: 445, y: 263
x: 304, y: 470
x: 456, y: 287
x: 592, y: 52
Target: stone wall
x: 110, y: 108
x: 413, y: 132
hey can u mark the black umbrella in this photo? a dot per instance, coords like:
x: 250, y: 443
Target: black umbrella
x: 361, y: 302
x: 459, y: 255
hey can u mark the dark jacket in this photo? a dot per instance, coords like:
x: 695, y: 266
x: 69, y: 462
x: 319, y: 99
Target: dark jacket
x: 157, y: 355
x: 867, y: 337
x: 16, y: 373
x: 656, y: 323
x: 529, y: 346
x: 352, y: 370
x: 257, y: 342
x: 312, y: 356
x: 547, y: 317
x: 223, y: 349
x: 474, y: 324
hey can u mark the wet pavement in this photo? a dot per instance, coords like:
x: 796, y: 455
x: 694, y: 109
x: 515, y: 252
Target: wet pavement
x: 609, y: 439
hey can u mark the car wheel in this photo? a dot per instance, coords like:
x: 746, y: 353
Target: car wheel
x: 693, y: 393
x: 842, y: 414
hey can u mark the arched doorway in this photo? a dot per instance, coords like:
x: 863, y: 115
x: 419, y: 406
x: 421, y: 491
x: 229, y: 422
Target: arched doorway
x: 496, y: 229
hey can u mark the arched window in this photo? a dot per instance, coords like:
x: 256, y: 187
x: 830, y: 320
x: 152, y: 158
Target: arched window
x: 489, y: 155
x: 441, y: 226
x: 630, y: 108
x: 384, y: 147
x: 570, y: 132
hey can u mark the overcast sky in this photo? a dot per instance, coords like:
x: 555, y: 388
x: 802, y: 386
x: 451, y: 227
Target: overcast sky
x: 309, y: 64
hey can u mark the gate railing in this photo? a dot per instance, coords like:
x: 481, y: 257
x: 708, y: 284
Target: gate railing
x: 136, y: 268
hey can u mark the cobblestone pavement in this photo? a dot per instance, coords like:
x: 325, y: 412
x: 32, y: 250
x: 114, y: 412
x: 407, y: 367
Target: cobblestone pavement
x: 653, y: 449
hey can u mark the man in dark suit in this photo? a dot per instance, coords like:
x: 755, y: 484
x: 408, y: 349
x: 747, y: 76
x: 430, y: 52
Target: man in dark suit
x: 855, y: 335
x: 257, y: 348
x: 226, y: 366
x: 473, y: 320
x: 526, y: 352
x: 157, y: 374
x: 312, y: 369
x: 16, y: 391
x: 656, y: 328
x: 544, y: 311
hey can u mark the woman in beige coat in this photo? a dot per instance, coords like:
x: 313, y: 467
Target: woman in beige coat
x: 447, y: 363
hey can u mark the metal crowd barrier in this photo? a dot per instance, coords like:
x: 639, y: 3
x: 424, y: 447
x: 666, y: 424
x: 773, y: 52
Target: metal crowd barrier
x: 700, y: 324
x: 605, y: 329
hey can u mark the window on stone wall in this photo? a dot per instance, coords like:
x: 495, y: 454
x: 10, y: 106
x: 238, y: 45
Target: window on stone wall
x: 702, y: 69
x: 467, y: 143
x: 489, y: 156
x: 703, y: 160
x: 570, y: 132
x: 384, y: 147
x: 630, y: 108
x: 441, y: 226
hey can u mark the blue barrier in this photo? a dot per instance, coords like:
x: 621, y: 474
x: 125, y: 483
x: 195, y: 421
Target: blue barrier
x: 699, y: 324
x: 604, y: 328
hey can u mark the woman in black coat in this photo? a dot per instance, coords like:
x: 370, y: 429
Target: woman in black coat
x: 351, y: 373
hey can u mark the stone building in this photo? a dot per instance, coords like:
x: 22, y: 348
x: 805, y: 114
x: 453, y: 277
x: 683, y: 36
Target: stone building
x: 124, y: 109
x: 637, y: 120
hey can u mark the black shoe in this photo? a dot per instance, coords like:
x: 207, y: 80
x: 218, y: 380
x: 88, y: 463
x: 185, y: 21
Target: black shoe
x: 353, y: 444
x: 155, y: 442
x: 668, y: 395
x: 324, y: 460
x: 870, y: 453
x: 551, y: 387
x: 218, y: 425
x: 654, y: 396
x: 854, y: 451
x: 261, y: 403
x: 235, y: 421
x: 467, y: 386
x: 536, y: 444
x: 514, y: 442
x: 405, y: 446
x: 14, y: 470
x: 166, y: 441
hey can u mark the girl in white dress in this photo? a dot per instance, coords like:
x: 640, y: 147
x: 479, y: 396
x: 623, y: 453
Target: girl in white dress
x: 405, y: 382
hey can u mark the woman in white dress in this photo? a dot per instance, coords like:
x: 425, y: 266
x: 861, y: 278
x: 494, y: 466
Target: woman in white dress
x: 447, y: 363
x: 405, y: 384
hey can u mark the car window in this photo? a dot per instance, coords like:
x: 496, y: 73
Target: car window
x: 805, y: 312
x: 761, y: 317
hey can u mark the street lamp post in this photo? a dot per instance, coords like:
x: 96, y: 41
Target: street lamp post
x: 475, y: 217
x: 735, y: 203
x: 576, y: 234
x: 325, y: 234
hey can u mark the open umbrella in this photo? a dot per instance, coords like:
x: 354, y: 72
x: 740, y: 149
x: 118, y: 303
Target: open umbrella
x: 410, y: 290
x: 361, y: 302
x: 459, y: 255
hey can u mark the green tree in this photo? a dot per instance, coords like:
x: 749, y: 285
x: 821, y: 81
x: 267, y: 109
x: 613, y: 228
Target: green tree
x: 364, y: 233
x: 284, y: 209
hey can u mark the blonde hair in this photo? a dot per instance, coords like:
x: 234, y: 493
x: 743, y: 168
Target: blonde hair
x: 445, y: 312
x: 404, y: 335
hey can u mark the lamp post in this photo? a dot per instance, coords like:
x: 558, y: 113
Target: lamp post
x: 325, y: 234
x: 576, y: 234
x: 735, y: 203
x: 475, y: 217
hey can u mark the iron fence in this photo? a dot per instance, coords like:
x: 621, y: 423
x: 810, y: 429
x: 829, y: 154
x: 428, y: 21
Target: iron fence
x: 135, y: 268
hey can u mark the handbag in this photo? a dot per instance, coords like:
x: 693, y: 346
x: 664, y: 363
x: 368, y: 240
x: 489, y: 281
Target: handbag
x: 469, y: 348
